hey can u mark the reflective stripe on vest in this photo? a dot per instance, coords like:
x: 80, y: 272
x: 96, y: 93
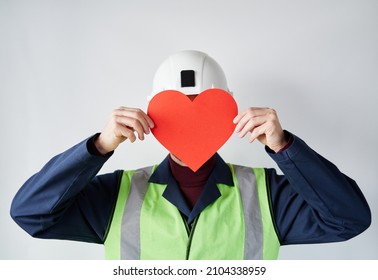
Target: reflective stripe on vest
x: 147, y: 226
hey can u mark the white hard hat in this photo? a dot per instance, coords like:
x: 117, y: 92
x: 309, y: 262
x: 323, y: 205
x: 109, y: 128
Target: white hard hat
x: 190, y: 72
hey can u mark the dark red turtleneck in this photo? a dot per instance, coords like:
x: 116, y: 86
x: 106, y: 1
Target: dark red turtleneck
x: 191, y: 183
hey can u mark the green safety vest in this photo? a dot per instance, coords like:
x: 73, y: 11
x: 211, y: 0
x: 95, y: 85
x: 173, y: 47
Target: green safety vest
x: 238, y: 225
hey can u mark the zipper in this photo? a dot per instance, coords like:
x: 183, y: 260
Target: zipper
x: 190, y: 232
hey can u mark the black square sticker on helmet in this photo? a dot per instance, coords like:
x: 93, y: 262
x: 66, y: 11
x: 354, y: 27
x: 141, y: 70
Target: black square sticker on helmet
x: 187, y: 78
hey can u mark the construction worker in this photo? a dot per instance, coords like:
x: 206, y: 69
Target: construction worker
x: 168, y: 211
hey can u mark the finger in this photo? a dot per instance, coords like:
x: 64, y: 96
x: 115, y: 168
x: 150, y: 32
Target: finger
x: 269, y: 124
x: 252, y: 110
x: 239, y: 117
x: 150, y: 122
x: 246, y: 115
x: 258, y: 131
x: 125, y: 133
x: 248, y: 118
x: 137, y: 114
x: 251, y: 124
x: 131, y: 123
x: 144, y: 118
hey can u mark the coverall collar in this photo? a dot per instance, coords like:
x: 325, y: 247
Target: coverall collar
x: 221, y: 174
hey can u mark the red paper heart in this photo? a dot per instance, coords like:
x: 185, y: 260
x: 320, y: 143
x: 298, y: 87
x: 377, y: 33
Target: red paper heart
x: 193, y: 130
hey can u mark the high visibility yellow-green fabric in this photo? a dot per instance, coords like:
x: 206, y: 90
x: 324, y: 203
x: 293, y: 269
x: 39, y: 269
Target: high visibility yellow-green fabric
x: 218, y: 233
x: 113, y: 237
x: 271, y: 242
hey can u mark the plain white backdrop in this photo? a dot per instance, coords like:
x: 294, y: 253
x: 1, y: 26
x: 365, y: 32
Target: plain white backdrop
x: 65, y: 65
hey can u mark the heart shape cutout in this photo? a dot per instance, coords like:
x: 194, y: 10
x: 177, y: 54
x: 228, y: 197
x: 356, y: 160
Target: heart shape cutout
x: 193, y: 130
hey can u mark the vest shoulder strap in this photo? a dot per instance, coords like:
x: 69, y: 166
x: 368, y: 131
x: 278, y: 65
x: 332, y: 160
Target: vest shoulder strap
x: 129, y: 197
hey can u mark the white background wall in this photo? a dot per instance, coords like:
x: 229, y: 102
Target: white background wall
x: 64, y: 66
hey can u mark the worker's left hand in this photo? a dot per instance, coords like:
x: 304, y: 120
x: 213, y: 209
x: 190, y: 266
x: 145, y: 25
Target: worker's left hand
x: 263, y: 124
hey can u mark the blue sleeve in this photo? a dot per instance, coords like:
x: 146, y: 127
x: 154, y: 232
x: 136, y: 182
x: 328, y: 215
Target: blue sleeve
x: 314, y: 202
x: 66, y: 200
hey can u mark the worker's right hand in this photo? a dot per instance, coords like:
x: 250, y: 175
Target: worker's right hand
x: 123, y: 124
